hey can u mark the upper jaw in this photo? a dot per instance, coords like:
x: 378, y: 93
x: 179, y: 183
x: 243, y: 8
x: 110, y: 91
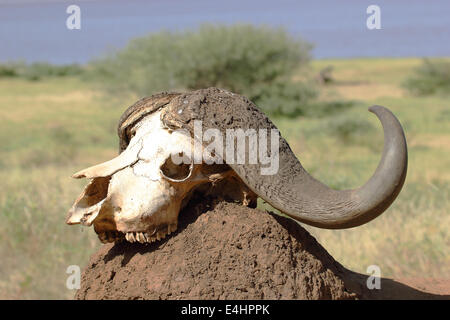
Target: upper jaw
x: 95, y: 207
x: 156, y: 234
x: 150, y: 236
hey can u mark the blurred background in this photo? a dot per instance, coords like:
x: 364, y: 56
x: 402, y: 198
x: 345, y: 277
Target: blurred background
x: 313, y: 67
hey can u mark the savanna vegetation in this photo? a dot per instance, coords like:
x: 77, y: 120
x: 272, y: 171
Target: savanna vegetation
x: 258, y: 62
x: 432, y: 76
x: 57, y: 122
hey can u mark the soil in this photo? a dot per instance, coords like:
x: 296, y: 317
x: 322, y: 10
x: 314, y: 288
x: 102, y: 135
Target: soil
x: 228, y: 251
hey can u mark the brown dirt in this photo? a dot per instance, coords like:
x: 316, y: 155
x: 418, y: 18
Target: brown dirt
x: 227, y: 251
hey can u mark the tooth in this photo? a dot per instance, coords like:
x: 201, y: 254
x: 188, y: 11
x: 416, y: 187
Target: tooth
x: 140, y: 237
x: 130, y: 237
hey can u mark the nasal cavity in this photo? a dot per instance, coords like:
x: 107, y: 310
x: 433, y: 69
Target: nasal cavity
x: 97, y: 190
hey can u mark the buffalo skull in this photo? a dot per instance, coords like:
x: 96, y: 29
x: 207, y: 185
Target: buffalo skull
x: 138, y: 195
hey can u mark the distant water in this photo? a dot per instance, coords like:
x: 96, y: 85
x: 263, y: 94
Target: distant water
x: 35, y: 30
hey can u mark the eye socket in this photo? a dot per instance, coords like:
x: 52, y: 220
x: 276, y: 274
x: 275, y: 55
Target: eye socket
x: 176, y: 172
x: 131, y: 130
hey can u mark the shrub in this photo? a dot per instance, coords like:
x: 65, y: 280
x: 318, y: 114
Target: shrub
x: 9, y: 69
x: 429, y: 78
x: 350, y: 130
x: 257, y: 62
x: 38, y: 70
x: 283, y: 98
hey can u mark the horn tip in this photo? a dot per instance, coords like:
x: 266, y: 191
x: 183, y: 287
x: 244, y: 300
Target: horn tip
x: 376, y: 108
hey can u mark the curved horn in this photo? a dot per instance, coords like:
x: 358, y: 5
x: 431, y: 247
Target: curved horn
x: 292, y: 190
x: 308, y: 200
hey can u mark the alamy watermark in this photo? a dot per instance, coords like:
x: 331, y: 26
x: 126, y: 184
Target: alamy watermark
x: 374, y: 20
x: 73, y: 21
x: 374, y: 280
x: 236, y: 147
x: 73, y: 281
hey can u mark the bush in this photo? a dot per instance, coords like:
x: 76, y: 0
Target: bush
x: 431, y: 77
x: 283, y: 98
x: 347, y: 128
x: 257, y: 62
x: 9, y: 69
x: 38, y: 70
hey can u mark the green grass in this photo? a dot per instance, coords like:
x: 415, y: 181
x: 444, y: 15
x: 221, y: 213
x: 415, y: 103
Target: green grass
x: 55, y: 127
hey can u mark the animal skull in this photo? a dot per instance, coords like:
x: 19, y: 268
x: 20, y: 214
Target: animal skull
x: 138, y: 195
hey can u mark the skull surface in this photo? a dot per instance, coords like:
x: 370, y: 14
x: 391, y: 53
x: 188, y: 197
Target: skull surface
x: 138, y: 195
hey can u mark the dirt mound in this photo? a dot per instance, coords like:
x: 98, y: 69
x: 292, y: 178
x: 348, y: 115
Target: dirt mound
x: 222, y: 251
